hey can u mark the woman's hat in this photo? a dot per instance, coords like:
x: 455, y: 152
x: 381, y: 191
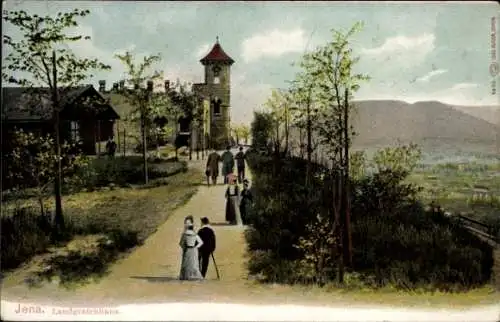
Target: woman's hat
x: 231, y: 178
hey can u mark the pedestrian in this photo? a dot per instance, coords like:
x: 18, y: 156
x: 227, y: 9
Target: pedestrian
x: 240, y: 164
x: 207, y: 235
x: 190, y: 242
x: 233, y: 215
x: 212, y: 170
x: 246, y: 201
x: 111, y: 147
x: 227, y: 164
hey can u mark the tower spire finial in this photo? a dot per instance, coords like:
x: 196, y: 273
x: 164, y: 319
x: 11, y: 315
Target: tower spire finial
x: 217, y: 39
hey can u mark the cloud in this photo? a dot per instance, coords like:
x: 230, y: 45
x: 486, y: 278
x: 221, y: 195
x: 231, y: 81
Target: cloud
x: 202, y: 51
x: 427, y: 77
x: 459, y: 94
x: 462, y: 86
x: 392, y: 45
x: 273, y: 44
x: 401, y: 52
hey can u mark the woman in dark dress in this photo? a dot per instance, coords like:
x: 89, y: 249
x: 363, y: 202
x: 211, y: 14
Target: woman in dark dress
x: 233, y: 215
x: 246, y: 201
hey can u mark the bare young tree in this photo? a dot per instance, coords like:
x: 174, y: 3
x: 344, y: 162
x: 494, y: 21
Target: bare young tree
x: 138, y: 94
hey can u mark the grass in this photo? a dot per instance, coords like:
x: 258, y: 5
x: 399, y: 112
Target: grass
x: 453, y: 188
x: 332, y: 294
x: 108, y: 224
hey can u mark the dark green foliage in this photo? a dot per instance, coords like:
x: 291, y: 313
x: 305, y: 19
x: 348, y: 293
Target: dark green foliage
x: 261, y: 128
x: 281, y: 209
x: 24, y: 234
x: 125, y: 171
x: 396, y: 242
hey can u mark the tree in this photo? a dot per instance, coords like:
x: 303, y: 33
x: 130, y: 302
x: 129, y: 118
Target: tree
x: 139, y: 95
x: 42, y: 58
x: 329, y: 72
x: 186, y: 102
x: 401, y: 158
x: 31, y: 164
x: 277, y: 106
x: 245, y: 132
x: 304, y: 116
x: 261, y: 128
x: 240, y: 132
x: 158, y: 117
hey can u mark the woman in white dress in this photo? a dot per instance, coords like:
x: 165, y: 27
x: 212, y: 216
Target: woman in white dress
x: 190, y: 242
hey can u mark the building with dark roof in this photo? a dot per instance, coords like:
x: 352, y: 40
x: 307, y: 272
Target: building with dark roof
x: 86, y: 117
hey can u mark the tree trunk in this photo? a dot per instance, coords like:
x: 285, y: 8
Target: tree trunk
x: 42, y: 207
x: 190, y: 141
x: 157, y: 143
x: 286, y: 129
x: 347, y: 220
x: 98, y: 138
x: 144, y: 145
x: 59, y: 217
x: 309, y: 139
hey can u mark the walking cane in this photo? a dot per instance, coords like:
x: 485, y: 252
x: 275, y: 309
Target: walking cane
x: 215, y: 265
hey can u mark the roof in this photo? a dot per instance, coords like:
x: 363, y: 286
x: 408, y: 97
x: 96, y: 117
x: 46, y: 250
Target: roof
x: 217, y: 54
x: 20, y: 104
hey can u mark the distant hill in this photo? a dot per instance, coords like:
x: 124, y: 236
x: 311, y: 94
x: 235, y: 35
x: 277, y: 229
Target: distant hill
x: 436, y: 127
x: 487, y: 113
x: 433, y: 125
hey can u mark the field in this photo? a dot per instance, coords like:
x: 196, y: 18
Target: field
x: 471, y: 188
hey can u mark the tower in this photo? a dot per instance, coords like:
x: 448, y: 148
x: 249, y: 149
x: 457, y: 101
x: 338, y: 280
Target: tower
x: 215, y: 93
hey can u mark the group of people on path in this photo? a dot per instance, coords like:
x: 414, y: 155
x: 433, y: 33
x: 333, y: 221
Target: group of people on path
x: 237, y: 200
x: 198, y: 247
x: 228, y: 161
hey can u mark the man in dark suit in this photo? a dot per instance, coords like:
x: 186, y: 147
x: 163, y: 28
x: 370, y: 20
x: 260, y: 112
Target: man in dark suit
x: 207, y: 235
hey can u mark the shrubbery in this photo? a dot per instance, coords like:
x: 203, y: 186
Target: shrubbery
x: 396, y: 242
x: 26, y: 232
x: 125, y: 171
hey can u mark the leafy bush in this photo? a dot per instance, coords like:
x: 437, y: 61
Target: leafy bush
x: 24, y: 234
x: 396, y: 242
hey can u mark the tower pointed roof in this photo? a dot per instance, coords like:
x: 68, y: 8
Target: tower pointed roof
x: 217, y: 54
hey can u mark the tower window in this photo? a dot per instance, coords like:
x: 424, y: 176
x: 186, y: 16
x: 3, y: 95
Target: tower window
x: 216, y: 70
x: 217, y: 106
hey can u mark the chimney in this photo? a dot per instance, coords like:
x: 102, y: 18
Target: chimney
x: 102, y: 86
x: 167, y: 86
x: 150, y: 86
x: 121, y: 85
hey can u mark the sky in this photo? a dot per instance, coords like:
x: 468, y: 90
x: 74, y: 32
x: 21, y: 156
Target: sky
x: 412, y: 51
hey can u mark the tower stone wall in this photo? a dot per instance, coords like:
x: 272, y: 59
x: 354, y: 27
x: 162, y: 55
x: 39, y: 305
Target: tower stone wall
x: 216, y: 90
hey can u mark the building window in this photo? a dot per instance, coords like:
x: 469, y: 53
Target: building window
x: 216, y: 80
x: 217, y: 106
x: 75, y: 131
